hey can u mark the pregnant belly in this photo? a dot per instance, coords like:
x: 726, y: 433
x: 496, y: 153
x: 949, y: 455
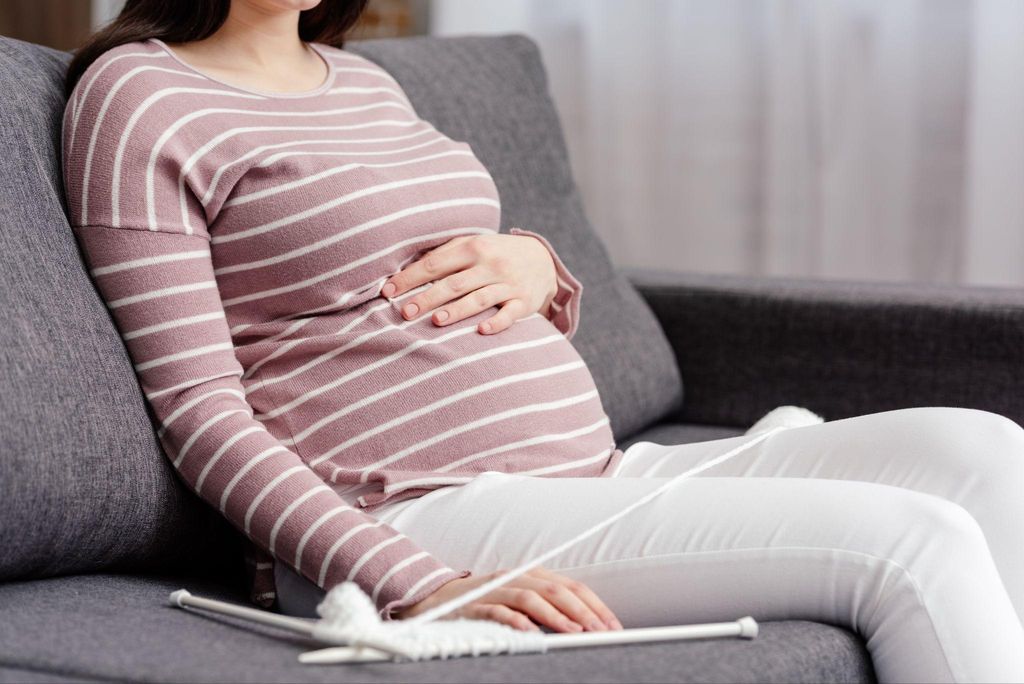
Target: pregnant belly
x: 391, y: 406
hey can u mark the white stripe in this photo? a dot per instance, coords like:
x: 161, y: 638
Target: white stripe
x: 395, y: 569
x: 176, y: 323
x: 202, y: 152
x: 291, y: 509
x: 532, y: 441
x: 366, y: 557
x: 565, y: 466
x: 307, y: 180
x: 191, y: 382
x: 262, y: 566
x: 99, y: 120
x: 187, y: 354
x: 266, y: 595
x: 373, y: 72
x: 274, y: 338
x: 313, y: 280
x: 208, y: 195
x: 423, y: 582
x: 362, y: 339
x: 163, y: 292
x: 185, y: 407
x: 210, y: 145
x: 376, y: 286
x: 115, y: 191
x: 366, y: 90
x: 288, y: 346
x: 249, y: 465
x: 265, y: 492
x: 77, y: 110
x: 313, y: 528
x: 423, y: 410
x: 363, y: 370
x: 338, y: 544
x: 355, y: 230
x: 149, y: 261
x: 326, y: 206
x: 203, y: 428
x: 228, y: 443
x: 466, y: 427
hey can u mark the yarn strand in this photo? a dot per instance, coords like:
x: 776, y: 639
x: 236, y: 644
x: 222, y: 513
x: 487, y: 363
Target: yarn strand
x: 485, y: 588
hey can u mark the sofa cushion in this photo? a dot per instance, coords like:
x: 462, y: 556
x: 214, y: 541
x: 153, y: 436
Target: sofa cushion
x: 491, y: 91
x: 83, y: 481
x: 121, y: 627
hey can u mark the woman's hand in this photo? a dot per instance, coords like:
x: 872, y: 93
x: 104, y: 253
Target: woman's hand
x: 478, y: 272
x: 538, y: 596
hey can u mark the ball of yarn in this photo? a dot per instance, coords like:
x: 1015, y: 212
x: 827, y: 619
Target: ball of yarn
x: 347, y: 607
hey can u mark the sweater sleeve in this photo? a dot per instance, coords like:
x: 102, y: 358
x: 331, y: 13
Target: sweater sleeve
x: 565, y: 307
x: 161, y: 292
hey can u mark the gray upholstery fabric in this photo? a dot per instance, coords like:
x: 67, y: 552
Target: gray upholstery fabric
x: 121, y: 627
x: 492, y: 92
x: 83, y: 481
x: 746, y: 345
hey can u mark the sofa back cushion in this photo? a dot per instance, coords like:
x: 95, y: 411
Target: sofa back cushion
x: 83, y: 481
x: 84, y: 484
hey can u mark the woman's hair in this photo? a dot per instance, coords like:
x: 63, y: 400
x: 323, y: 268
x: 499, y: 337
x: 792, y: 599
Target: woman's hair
x: 182, y: 21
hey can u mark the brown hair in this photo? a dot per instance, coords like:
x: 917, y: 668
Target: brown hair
x: 181, y: 21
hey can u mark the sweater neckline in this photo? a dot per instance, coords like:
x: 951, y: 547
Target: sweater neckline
x: 322, y: 88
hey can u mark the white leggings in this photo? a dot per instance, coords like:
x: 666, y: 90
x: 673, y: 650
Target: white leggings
x: 906, y: 527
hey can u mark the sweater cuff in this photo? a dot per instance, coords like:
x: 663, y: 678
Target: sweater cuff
x: 424, y: 587
x: 565, y: 307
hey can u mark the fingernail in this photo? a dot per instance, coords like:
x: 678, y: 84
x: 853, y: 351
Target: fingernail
x: 616, y: 624
x: 486, y: 327
x: 410, y: 309
x: 596, y: 626
x: 389, y: 289
x: 442, y: 315
x: 573, y: 627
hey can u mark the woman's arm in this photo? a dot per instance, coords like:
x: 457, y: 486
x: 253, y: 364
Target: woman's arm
x: 161, y: 292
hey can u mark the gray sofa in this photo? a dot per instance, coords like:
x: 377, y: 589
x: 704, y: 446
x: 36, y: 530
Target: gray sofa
x: 96, y: 529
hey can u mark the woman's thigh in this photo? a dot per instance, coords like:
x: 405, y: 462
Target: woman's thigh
x: 970, y: 457
x: 909, y: 571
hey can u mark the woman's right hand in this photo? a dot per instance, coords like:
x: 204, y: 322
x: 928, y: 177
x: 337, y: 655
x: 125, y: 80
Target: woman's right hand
x: 537, y: 596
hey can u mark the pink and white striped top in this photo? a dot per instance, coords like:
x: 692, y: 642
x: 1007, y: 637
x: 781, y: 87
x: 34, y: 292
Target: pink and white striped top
x: 240, y: 240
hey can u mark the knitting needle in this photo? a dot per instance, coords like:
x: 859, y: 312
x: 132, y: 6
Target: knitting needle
x: 745, y: 627
x: 182, y: 598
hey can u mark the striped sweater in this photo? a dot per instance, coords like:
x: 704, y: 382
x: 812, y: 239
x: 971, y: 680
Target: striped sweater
x: 240, y: 240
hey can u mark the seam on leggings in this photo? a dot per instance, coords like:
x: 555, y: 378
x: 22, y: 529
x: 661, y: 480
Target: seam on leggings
x: 889, y: 561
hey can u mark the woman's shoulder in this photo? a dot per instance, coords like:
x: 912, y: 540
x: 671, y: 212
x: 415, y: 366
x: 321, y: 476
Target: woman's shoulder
x: 123, y: 66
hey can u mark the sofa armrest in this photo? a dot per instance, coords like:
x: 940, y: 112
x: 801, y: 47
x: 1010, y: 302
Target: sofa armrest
x: 745, y: 345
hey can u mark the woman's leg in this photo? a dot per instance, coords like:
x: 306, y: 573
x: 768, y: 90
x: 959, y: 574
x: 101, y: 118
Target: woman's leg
x: 910, y: 572
x: 972, y: 458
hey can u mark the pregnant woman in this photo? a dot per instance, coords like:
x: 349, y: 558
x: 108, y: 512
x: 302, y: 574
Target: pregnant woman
x: 347, y: 359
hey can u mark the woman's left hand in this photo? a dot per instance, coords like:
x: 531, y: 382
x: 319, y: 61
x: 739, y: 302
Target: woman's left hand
x: 476, y: 272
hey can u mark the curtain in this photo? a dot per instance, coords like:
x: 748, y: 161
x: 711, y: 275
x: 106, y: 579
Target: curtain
x: 868, y: 139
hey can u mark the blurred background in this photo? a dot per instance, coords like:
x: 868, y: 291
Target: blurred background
x: 868, y: 139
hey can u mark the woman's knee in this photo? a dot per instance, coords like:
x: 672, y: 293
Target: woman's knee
x: 972, y: 441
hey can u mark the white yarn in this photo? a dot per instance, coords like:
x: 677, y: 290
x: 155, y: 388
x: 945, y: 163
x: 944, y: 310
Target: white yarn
x: 785, y: 416
x: 349, y: 616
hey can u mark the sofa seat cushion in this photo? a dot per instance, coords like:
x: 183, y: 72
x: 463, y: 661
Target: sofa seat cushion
x: 106, y: 627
